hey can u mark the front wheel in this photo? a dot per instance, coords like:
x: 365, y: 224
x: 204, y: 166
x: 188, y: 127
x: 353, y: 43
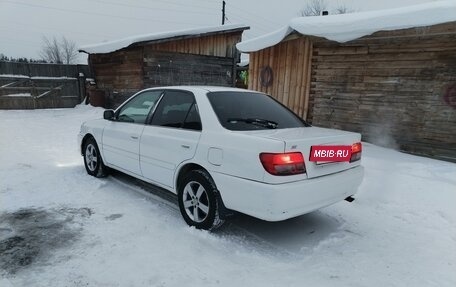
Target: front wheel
x: 198, y: 204
x: 92, y: 159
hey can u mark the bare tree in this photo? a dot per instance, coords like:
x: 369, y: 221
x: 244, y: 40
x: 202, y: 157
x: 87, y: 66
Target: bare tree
x: 343, y: 9
x: 69, y: 51
x: 54, y: 51
x: 314, y: 8
x: 50, y: 51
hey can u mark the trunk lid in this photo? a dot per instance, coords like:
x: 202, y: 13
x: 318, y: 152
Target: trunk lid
x: 302, y: 139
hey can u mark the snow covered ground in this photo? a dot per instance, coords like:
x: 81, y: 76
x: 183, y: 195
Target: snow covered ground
x: 61, y: 227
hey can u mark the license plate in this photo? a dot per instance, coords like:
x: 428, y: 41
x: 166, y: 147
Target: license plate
x: 330, y: 153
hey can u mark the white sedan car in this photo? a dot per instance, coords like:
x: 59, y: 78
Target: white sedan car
x: 223, y: 150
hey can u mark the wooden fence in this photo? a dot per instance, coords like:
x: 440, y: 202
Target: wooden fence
x: 43, y: 70
x: 34, y: 86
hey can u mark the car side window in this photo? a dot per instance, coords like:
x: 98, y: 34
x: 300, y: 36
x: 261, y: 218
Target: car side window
x: 193, y: 121
x: 138, y: 108
x: 177, y: 109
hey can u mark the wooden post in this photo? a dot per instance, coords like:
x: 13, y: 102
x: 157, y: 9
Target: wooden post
x: 223, y: 12
x: 81, y: 86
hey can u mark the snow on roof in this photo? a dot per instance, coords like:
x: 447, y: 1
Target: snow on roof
x: 244, y: 63
x: 115, y: 45
x: 347, y: 27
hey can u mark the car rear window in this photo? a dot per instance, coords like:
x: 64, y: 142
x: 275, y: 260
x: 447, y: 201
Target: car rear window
x: 243, y: 111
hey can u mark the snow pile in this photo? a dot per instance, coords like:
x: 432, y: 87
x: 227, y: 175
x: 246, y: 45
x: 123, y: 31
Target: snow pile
x: 112, y: 46
x: 36, y: 77
x: 52, y: 78
x: 19, y: 95
x: 14, y: 76
x: 400, y: 230
x: 347, y: 27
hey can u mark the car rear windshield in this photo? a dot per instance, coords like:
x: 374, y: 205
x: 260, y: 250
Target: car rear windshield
x: 243, y: 111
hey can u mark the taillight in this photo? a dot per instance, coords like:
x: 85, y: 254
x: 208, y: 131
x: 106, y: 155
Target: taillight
x: 357, y: 148
x: 283, y: 163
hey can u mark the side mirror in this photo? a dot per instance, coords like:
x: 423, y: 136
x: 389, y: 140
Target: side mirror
x: 108, y: 115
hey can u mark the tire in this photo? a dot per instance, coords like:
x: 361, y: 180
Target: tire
x: 92, y: 159
x: 198, y: 200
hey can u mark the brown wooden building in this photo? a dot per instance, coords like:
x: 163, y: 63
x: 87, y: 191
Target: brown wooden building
x: 396, y: 87
x: 205, y: 56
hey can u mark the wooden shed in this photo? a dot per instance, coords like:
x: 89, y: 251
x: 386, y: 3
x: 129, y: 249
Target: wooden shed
x: 204, y: 56
x: 395, y: 84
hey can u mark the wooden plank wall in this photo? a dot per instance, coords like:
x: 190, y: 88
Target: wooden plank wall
x: 170, y: 68
x: 290, y: 64
x: 120, y: 71
x: 222, y: 45
x: 119, y: 74
x: 397, y: 88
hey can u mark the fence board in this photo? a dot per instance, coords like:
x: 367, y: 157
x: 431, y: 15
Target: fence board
x: 49, y: 85
x: 43, y: 70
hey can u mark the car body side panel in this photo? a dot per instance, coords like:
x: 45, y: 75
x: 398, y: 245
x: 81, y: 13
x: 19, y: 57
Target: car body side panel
x: 163, y: 149
x: 237, y: 154
x: 120, y: 144
x: 94, y: 128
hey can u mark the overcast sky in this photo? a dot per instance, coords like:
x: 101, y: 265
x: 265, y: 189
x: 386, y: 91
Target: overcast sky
x: 23, y: 23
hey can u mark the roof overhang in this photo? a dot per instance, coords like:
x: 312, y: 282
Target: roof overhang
x: 346, y: 27
x: 138, y: 40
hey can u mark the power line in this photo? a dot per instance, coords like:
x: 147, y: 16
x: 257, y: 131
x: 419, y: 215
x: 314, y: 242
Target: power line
x: 39, y: 27
x: 209, y: 1
x: 151, y: 8
x: 93, y: 13
x: 241, y: 10
x: 258, y: 25
x: 15, y: 40
x: 248, y: 19
x: 180, y: 4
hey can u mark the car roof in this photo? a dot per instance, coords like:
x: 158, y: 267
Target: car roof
x: 204, y: 89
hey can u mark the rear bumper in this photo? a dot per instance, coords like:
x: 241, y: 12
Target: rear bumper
x: 275, y: 202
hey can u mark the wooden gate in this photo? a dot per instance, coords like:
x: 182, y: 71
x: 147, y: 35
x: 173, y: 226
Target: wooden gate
x: 22, y: 92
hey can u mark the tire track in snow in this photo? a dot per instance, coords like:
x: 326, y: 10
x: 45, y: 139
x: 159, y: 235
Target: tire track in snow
x: 294, y: 238
x: 231, y: 231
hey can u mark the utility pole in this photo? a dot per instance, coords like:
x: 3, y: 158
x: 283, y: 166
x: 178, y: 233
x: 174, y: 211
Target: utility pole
x: 223, y: 12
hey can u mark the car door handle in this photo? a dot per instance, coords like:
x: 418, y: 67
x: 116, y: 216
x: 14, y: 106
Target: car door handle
x: 134, y: 137
x: 185, y: 146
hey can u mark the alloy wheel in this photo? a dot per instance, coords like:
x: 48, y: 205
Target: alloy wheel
x: 196, y: 201
x: 91, y: 157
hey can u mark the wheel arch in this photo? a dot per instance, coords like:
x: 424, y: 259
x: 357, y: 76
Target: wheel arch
x: 187, y: 167
x: 83, y: 141
x: 184, y: 169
